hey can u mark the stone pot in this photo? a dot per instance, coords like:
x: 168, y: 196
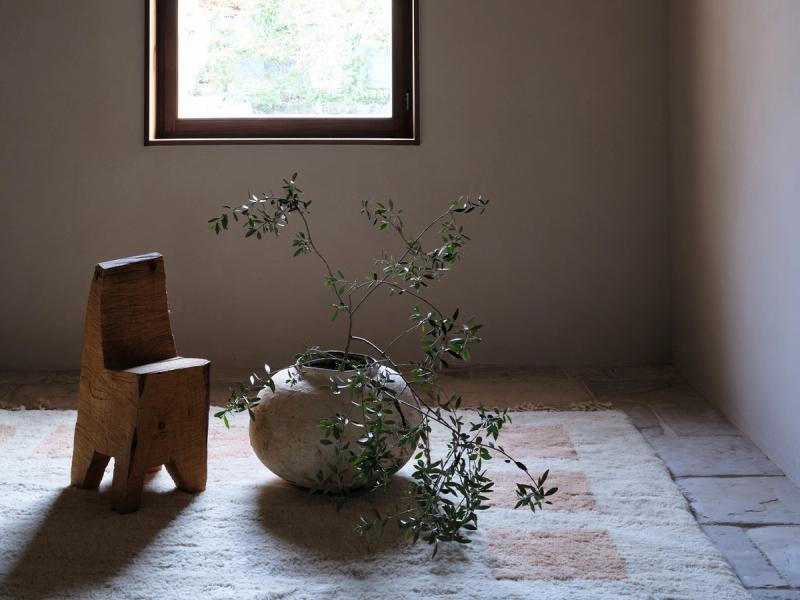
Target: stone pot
x: 285, y: 433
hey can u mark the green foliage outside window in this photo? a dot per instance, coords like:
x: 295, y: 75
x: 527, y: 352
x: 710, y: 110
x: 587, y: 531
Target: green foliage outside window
x: 304, y: 57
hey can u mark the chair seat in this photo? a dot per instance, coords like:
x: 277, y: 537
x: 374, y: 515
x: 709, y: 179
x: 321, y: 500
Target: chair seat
x: 171, y: 364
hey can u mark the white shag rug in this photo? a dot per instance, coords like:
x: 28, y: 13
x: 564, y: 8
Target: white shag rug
x: 619, y: 528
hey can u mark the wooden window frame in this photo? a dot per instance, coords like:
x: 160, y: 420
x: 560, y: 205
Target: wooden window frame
x: 164, y: 127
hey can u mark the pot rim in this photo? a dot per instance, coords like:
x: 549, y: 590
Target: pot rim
x: 332, y: 355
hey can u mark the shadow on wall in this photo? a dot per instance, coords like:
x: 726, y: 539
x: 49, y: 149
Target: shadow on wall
x: 701, y: 302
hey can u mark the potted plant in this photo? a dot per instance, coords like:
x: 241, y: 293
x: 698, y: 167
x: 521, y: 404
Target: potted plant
x: 339, y: 420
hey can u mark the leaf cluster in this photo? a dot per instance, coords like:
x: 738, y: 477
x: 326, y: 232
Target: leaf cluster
x: 266, y: 214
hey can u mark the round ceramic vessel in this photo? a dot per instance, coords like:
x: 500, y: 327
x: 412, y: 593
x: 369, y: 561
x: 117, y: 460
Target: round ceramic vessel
x: 285, y: 433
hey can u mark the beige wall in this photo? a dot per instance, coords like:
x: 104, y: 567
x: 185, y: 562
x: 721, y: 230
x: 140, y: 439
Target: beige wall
x: 736, y: 175
x: 556, y: 109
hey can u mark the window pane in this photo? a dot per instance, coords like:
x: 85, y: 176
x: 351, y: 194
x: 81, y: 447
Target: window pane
x: 284, y: 58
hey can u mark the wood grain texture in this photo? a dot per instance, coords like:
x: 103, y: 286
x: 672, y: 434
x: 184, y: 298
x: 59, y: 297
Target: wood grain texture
x: 138, y: 402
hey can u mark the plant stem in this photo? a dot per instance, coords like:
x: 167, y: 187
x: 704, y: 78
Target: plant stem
x: 335, y: 290
x: 409, y: 248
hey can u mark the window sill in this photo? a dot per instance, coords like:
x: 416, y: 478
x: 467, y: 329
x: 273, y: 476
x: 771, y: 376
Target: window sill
x: 264, y: 141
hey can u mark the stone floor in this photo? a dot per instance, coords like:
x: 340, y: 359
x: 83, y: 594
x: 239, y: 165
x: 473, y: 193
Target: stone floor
x: 740, y: 498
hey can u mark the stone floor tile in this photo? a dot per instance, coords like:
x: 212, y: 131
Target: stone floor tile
x: 704, y: 456
x: 782, y: 547
x: 662, y: 373
x: 687, y: 415
x: 648, y: 373
x: 749, y: 563
x: 219, y: 394
x: 589, y: 373
x: 656, y: 394
x: 522, y: 391
x: 222, y: 383
x: 743, y: 500
x: 6, y: 389
x: 614, y: 389
x: 20, y: 377
x: 70, y: 376
x: 55, y: 395
x: 650, y: 432
x: 506, y: 371
x: 641, y: 415
x: 775, y: 594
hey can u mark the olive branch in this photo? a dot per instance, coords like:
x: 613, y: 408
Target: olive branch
x: 446, y: 493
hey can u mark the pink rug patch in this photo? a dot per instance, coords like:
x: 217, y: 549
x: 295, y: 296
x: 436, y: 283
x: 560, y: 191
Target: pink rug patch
x: 573, y: 493
x: 59, y: 443
x: 6, y: 433
x: 537, y: 441
x: 521, y: 554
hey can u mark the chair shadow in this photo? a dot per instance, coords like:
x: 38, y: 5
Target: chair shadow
x: 82, y: 543
x: 311, y: 523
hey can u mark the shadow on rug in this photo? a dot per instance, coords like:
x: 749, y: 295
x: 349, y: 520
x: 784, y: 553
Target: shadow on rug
x: 79, y: 542
x: 313, y: 524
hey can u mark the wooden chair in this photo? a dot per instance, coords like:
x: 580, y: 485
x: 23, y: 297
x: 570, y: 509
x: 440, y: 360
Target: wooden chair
x: 139, y: 403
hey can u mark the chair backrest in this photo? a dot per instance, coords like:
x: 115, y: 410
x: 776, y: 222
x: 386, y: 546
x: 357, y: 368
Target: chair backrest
x: 127, y: 317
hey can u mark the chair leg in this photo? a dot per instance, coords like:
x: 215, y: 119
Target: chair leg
x: 126, y: 493
x: 88, y: 466
x: 189, y: 472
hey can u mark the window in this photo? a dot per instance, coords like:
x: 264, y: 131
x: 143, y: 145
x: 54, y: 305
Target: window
x: 250, y: 71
